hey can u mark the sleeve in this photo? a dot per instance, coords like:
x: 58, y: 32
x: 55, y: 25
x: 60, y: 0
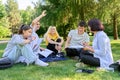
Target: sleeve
x: 101, y: 46
x: 17, y: 39
x: 70, y: 33
x: 87, y: 38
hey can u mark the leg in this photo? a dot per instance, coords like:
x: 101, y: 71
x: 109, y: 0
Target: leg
x: 72, y: 52
x: 90, y: 60
x: 14, y: 54
x: 31, y: 57
x: 27, y: 52
x: 52, y: 48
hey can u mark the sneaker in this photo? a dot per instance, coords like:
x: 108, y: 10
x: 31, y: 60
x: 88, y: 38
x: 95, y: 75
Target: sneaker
x: 41, y: 63
x: 60, y: 54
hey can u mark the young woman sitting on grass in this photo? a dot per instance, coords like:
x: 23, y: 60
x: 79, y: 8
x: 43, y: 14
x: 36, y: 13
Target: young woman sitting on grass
x: 53, y: 40
x: 19, y: 45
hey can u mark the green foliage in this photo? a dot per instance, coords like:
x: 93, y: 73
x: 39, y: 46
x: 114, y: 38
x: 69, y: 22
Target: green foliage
x: 62, y: 13
x: 27, y: 15
x: 3, y: 19
x: 2, y: 10
x: 4, y: 32
x: 13, y: 15
x: 41, y: 31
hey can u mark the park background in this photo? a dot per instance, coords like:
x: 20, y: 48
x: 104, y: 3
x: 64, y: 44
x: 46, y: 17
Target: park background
x: 65, y: 15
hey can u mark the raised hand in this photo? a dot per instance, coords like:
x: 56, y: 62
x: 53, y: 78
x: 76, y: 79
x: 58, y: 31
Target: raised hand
x: 43, y: 13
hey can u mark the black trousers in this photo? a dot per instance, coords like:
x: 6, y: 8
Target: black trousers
x: 88, y: 58
x: 72, y: 52
x: 52, y: 46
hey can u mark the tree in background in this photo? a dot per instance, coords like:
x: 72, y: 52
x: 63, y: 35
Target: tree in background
x: 4, y: 24
x: 13, y: 15
x: 27, y: 15
x: 65, y: 14
x: 115, y: 15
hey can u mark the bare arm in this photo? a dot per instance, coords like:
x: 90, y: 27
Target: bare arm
x: 67, y: 42
x: 51, y: 41
x: 38, y: 18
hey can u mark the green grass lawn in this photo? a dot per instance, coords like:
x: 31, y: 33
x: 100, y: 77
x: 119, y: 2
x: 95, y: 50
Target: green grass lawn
x: 61, y: 70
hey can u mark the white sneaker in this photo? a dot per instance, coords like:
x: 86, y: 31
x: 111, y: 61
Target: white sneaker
x: 41, y: 63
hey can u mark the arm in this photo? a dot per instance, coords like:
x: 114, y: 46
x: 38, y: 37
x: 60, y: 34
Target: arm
x: 89, y: 48
x: 42, y: 48
x: 17, y: 39
x: 51, y: 41
x: 38, y: 18
x: 67, y: 42
x: 102, y: 45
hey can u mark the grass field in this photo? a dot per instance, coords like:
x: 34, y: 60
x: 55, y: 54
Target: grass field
x: 61, y: 70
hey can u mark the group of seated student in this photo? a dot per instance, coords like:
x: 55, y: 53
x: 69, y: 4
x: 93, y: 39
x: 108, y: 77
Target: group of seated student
x: 25, y: 46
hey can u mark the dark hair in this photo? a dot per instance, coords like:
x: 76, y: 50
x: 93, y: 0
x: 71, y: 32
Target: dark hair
x: 23, y: 27
x: 82, y: 24
x: 95, y: 25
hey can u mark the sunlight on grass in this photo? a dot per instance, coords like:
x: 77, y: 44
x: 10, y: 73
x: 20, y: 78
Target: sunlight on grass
x: 115, y: 41
x: 60, y: 70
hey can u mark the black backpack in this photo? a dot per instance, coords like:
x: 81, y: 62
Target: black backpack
x: 116, y: 66
x: 5, y: 63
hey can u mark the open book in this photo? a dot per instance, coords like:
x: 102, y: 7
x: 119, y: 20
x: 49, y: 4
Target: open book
x: 45, y: 52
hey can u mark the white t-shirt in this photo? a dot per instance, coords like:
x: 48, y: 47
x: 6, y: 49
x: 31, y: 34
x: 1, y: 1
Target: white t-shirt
x: 76, y: 39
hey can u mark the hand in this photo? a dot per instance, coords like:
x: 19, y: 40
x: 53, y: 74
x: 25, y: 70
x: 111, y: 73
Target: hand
x: 27, y: 41
x: 43, y: 13
x: 42, y: 48
x: 89, y: 48
x: 33, y: 38
x: 85, y: 44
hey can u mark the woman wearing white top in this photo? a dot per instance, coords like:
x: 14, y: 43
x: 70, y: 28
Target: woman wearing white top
x: 101, y: 49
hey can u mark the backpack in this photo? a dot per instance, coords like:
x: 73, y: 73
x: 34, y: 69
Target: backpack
x: 5, y: 63
x: 116, y: 66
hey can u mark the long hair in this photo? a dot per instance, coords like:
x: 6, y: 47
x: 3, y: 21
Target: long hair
x: 49, y: 32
